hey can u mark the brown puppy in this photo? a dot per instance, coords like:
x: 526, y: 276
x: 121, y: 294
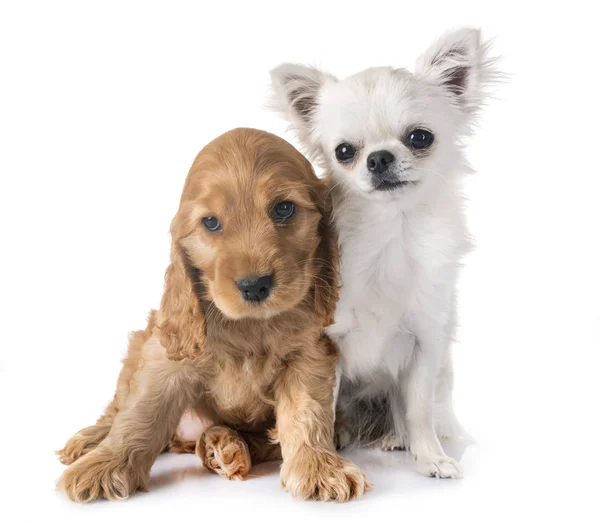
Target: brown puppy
x: 238, y: 338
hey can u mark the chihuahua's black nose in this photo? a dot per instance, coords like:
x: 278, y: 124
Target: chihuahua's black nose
x: 255, y: 288
x: 379, y: 161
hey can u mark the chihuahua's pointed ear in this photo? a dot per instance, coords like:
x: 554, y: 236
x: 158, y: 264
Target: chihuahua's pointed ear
x: 182, y: 329
x: 296, y: 93
x: 459, y: 63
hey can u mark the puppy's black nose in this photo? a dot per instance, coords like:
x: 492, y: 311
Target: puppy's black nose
x: 255, y: 288
x: 379, y: 161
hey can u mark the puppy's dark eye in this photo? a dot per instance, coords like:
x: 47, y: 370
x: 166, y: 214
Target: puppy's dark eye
x: 345, y: 152
x: 420, y: 139
x: 283, y: 211
x: 211, y: 223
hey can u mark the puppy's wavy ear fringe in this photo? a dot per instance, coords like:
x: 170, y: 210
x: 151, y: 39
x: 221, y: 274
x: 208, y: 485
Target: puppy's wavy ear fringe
x: 181, y: 320
x: 328, y: 278
x: 295, y: 94
x: 460, y: 62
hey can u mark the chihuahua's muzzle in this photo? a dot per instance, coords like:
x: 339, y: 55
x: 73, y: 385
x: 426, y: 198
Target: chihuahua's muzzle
x: 380, y: 165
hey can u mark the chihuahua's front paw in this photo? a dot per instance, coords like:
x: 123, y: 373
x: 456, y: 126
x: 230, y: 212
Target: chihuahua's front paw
x: 439, y: 467
x: 394, y: 442
x: 225, y: 452
x: 322, y: 475
x: 342, y: 438
x: 100, y: 475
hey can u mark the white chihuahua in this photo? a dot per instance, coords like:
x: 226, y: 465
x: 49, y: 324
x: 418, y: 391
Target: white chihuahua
x: 392, y: 143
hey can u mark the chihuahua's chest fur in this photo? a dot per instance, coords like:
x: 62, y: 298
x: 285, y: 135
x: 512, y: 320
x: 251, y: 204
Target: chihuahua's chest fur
x: 397, y: 267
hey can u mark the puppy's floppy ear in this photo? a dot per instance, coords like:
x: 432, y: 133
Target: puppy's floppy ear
x: 459, y: 62
x: 181, y: 323
x: 296, y: 93
x: 327, y: 257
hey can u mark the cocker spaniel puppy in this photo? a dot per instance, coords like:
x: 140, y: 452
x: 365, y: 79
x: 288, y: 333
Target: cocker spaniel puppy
x: 236, y: 356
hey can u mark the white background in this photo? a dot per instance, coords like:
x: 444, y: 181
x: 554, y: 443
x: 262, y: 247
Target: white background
x: 103, y: 108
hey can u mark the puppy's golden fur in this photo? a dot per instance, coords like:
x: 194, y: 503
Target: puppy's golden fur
x: 260, y: 375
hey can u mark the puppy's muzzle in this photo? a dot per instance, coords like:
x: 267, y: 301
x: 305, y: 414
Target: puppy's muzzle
x: 255, y: 288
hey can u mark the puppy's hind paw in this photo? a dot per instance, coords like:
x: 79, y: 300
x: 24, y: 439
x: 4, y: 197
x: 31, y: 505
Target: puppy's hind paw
x: 82, y: 443
x: 439, y: 467
x: 224, y: 452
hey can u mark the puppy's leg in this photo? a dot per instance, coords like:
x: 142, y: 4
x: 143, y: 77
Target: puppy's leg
x: 418, y: 387
x: 121, y: 463
x: 193, y: 424
x: 311, y: 468
x: 89, y: 438
x: 261, y: 447
x: 180, y: 446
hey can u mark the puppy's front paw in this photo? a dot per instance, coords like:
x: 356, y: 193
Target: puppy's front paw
x: 225, y: 452
x: 323, y: 476
x: 439, y: 467
x: 100, y: 475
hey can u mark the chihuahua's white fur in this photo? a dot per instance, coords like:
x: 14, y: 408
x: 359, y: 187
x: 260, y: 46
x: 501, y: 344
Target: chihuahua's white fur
x: 401, y: 249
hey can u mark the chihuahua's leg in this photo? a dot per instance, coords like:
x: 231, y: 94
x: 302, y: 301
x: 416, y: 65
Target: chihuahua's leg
x: 447, y: 426
x: 312, y: 469
x: 397, y: 439
x: 418, y: 388
x: 121, y: 463
x: 364, y: 417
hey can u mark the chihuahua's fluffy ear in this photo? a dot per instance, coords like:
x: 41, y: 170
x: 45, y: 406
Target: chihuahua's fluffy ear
x: 459, y: 62
x: 296, y: 93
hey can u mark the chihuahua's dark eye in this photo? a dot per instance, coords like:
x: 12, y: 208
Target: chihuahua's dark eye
x: 345, y: 152
x: 211, y: 223
x: 420, y: 139
x: 283, y: 211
